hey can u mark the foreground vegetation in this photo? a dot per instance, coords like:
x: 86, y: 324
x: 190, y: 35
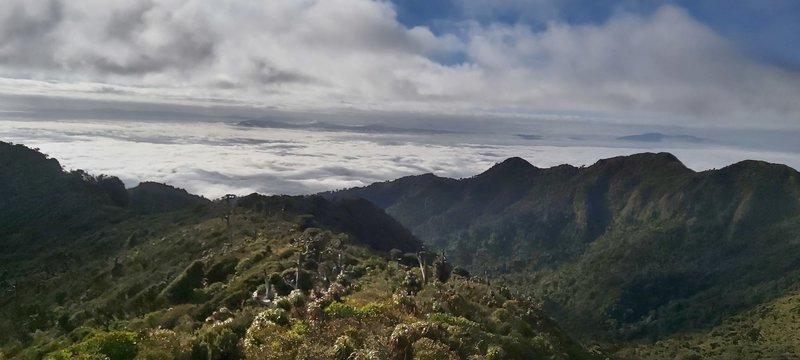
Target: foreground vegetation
x: 156, y: 273
x: 143, y: 305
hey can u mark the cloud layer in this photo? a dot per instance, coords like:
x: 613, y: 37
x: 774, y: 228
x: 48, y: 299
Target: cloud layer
x: 333, y: 54
x: 216, y: 158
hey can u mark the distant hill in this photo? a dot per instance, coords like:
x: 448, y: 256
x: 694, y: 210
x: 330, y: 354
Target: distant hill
x: 530, y: 137
x: 319, y: 125
x: 632, y: 246
x: 659, y: 137
x: 151, y: 197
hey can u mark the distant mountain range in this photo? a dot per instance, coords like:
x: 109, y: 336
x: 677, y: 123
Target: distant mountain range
x: 659, y: 137
x: 318, y: 125
x: 632, y: 246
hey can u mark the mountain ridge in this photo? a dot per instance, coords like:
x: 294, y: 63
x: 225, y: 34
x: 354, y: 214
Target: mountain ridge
x: 593, y: 240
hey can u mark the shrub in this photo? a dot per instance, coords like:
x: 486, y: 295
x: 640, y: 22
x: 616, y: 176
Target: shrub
x: 283, y: 303
x: 495, y: 352
x: 169, y: 318
x: 443, y: 270
x: 116, y: 345
x: 286, y: 253
x: 409, y: 259
x: 164, y: 344
x: 427, y: 349
x: 359, y: 271
x: 405, y: 335
x: 236, y: 298
x: 182, y: 288
x: 278, y: 316
x: 452, y: 320
x: 395, y: 254
x: 343, y: 348
x: 461, y: 272
x: 306, y: 282
x: 339, y: 310
x: 219, y: 271
x: 411, y: 283
x: 281, y: 287
x: 221, y: 343
x: 265, y: 339
x: 243, y: 265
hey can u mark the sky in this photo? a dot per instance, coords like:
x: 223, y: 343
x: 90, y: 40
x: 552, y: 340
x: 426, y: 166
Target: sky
x: 570, y: 76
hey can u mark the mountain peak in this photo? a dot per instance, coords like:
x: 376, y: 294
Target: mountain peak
x: 515, y: 161
x: 757, y: 169
x: 513, y: 166
x: 152, y: 197
x: 757, y: 165
x: 647, y: 160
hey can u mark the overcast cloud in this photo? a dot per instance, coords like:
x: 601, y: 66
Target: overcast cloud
x: 354, y: 54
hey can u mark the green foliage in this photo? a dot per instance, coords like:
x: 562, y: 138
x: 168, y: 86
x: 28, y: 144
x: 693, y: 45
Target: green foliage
x: 220, y: 343
x: 181, y: 290
x: 452, y: 320
x: 339, y: 310
x: 428, y: 349
x: 266, y: 339
x: 278, y: 316
x: 244, y: 265
x: 115, y: 345
x: 164, y: 344
x: 767, y: 331
x: 306, y: 281
x: 495, y: 352
x: 343, y: 348
x: 411, y: 283
x: 219, y: 271
x: 443, y: 270
x: 460, y: 271
x: 395, y: 254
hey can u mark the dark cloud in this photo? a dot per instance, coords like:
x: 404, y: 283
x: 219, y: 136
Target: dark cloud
x: 127, y: 21
x: 266, y: 73
x: 27, y: 32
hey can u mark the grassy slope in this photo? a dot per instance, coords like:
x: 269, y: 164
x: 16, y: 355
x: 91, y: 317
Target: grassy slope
x: 768, y: 331
x: 123, y: 291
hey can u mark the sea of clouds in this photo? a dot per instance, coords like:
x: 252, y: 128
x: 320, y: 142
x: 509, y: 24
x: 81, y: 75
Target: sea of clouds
x: 213, y: 158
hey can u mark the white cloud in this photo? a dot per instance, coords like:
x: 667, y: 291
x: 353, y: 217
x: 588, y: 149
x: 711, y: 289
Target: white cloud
x: 213, y: 159
x: 354, y: 54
